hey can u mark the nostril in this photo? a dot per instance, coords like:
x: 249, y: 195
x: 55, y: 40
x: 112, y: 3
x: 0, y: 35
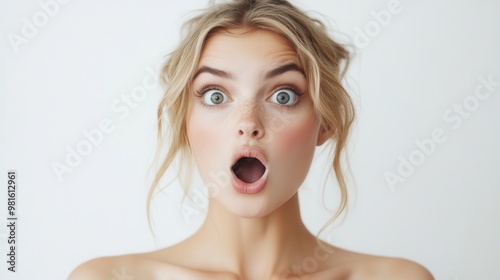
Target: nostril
x: 250, y: 129
x: 254, y: 133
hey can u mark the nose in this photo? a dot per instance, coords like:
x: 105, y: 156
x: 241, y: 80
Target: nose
x: 250, y: 122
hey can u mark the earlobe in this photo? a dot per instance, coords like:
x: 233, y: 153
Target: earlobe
x: 323, y: 135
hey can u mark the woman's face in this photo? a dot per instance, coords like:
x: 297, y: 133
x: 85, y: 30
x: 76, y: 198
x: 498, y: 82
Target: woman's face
x: 250, y: 99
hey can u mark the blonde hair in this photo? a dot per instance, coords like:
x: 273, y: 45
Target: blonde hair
x: 323, y: 59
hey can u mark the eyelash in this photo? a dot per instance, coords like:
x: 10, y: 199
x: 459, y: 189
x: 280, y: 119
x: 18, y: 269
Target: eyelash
x: 296, y: 90
x: 202, y: 91
x: 293, y: 88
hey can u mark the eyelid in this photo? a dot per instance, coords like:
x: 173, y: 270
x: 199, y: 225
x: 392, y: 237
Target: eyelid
x: 204, y: 90
x: 294, y: 89
x: 291, y: 87
x: 293, y: 97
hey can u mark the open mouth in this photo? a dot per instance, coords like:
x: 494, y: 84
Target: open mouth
x: 248, y: 169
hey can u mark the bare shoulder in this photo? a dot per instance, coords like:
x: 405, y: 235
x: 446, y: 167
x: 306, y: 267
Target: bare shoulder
x: 104, y: 268
x: 394, y: 269
x: 132, y: 266
x: 371, y: 267
x: 93, y: 269
x: 144, y: 266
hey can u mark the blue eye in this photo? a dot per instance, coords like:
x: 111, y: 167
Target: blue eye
x: 214, y: 97
x: 284, y: 97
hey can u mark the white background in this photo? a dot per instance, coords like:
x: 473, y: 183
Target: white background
x: 410, y: 72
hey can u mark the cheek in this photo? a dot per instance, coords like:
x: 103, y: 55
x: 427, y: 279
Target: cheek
x: 205, y: 138
x: 293, y: 151
x: 297, y: 141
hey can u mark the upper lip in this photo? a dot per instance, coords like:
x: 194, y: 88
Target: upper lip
x: 251, y: 152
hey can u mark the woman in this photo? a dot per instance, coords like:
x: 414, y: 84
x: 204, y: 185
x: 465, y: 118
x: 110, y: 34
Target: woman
x: 252, y: 90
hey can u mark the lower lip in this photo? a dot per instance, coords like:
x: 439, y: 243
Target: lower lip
x: 249, y: 188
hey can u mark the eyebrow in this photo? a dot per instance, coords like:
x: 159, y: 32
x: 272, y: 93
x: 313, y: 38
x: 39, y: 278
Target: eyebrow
x: 273, y: 73
x: 283, y: 69
x: 213, y: 71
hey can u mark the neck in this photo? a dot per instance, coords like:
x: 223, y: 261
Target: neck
x: 254, y: 247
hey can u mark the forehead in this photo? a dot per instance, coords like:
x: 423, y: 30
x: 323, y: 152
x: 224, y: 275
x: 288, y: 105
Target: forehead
x: 234, y: 44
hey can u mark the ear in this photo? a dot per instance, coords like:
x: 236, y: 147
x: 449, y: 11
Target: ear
x: 323, y: 135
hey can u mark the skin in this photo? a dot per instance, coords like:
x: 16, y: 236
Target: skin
x: 252, y: 236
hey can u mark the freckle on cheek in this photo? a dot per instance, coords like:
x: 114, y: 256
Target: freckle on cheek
x: 250, y: 110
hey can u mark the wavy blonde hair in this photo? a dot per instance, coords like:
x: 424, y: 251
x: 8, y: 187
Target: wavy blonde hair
x: 324, y: 61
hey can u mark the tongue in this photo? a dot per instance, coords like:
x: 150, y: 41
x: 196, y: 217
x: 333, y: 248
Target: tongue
x: 249, y: 170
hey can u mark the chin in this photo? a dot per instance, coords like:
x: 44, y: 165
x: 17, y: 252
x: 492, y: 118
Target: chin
x: 246, y: 206
x: 252, y: 206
